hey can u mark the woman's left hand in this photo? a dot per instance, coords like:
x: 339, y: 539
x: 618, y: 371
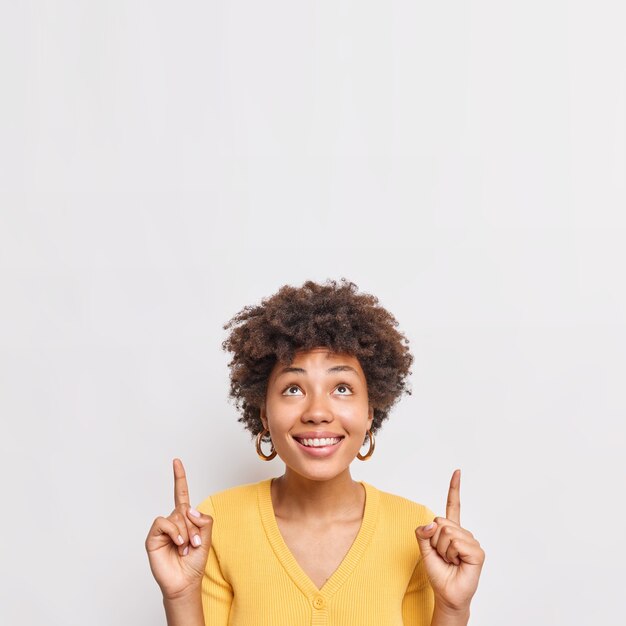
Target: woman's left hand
x: 452, y: 557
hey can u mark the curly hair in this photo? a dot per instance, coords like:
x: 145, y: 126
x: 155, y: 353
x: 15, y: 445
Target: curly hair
x: 332, y: 315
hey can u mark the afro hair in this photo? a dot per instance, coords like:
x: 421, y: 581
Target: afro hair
x: 332, y: 315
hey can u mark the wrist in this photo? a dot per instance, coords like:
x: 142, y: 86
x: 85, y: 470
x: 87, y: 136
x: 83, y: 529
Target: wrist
x: 184, y: 609
x: 445, y: 615
x: 189, y: 595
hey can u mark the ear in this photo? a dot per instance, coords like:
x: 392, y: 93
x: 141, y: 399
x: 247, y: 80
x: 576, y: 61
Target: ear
x: 370, y: 416
x: 263, y: 417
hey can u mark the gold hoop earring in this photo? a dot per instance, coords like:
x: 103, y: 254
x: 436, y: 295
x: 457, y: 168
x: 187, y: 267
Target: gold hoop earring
x: 368, y: 454
x: 259, y: 451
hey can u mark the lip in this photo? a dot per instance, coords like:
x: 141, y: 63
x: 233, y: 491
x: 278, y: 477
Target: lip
x: 319, y: 434
x: 319, y: 452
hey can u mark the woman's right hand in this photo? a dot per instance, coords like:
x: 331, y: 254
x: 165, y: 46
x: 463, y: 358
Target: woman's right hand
x: 176, y: 558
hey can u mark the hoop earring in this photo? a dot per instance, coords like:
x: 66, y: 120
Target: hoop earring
x: 368, y: 454
x: 259, y: 451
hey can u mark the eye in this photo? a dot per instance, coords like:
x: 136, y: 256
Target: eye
x: 344, y: 390
x: 292, y: 390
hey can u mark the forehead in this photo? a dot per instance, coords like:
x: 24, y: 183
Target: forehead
x: 318, y: 358
x: 323, y: 355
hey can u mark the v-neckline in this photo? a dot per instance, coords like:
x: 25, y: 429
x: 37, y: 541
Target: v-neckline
x: 289, y: 562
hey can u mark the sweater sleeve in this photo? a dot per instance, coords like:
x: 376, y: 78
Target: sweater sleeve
x: 419, y: 600
x: 217, y: 594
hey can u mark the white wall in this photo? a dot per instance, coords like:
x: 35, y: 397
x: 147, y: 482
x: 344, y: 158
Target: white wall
x: 164, y: 164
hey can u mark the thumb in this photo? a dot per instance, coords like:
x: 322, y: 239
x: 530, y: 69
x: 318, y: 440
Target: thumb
x: 205, y: 526
x: 423, y: 535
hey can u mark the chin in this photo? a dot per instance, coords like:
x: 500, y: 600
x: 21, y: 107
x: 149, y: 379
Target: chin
x: 320, y: 473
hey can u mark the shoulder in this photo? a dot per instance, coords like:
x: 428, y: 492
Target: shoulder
x: 234, y: 499
x: 400, y: 509
x: 236, y: 523
x: 396, y: 520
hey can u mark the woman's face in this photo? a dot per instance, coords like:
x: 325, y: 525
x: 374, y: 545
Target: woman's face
x: 317, y: 411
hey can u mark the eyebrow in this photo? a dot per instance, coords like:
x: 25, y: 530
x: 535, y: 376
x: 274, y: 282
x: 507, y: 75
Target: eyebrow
x: 330, y: 370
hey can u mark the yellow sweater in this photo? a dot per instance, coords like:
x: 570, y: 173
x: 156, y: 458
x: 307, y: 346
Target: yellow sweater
x: 252, y: 579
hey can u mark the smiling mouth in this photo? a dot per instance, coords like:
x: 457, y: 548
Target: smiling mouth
x: 319, y: 443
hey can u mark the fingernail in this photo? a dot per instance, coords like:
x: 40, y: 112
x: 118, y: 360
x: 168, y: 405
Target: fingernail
x: 194, y: 512
x: 429, y: 526
x: 180, y: 539
x: 196, y: 540
x: 186, y: 551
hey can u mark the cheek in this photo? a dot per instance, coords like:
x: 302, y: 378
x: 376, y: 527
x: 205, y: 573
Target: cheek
x: 355, y: 416
x: 279, y: 416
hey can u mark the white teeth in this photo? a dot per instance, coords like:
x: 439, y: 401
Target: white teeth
x: 318, y: 443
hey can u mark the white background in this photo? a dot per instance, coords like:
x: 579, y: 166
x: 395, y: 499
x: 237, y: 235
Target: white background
x: 163, y: 165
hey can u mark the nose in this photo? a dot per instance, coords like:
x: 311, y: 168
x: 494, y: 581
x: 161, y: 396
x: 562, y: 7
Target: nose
x: 317, y: 410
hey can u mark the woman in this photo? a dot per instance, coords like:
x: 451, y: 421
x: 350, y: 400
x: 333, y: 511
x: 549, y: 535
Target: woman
x: 315, y: 371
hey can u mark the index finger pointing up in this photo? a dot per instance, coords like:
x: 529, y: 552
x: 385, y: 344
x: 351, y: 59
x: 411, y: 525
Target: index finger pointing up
x: 181, y: 491
x: 453, y: 505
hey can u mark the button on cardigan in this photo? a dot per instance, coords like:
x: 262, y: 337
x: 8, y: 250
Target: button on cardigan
x: 253, y: 579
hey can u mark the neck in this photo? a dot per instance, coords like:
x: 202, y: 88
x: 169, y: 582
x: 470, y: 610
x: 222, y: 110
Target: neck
x: 297, y: 497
